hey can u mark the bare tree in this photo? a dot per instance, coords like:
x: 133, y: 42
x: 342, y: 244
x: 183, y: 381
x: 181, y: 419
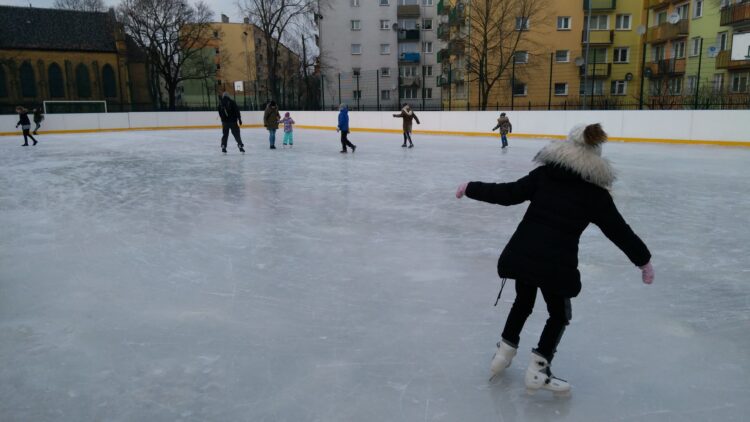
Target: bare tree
x: 494, y: 31
x: 203, y: 67
x: 172, y: 32
x: 273, y: 17
x: 81, y: 5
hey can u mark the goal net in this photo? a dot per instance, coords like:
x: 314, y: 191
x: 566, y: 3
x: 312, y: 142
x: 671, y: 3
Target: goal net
x: 75, y: 107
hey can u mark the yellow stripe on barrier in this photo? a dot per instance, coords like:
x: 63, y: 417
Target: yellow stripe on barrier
x: 425, y: 132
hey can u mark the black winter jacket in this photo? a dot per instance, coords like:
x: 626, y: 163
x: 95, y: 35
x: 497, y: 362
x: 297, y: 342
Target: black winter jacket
x: 23, y: 119
x: 544, y: 248
x: 228, y: 111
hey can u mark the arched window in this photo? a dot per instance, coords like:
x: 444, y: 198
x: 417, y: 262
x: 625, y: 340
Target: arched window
x: 56, y: 82
x: 3, y: 83
x: 83, y: 82
x: 108, y: 80
x: 28, y: 82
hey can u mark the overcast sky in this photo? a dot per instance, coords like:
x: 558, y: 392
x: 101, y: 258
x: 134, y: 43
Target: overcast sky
x: 226, y: 7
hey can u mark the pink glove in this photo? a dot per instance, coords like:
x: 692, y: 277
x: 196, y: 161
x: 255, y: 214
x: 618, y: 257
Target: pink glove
x: 647, y: 273
x: 461, y: 190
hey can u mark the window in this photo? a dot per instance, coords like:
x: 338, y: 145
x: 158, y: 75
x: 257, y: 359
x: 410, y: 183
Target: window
x: 407, y: 71
x: 675, y: 86
x: 718, y: 82
x: 622, y: 22
x: 427, y: 70
x: 385, y: 72
x: 561, y: 88
x: 409, y: 93
x: 563, y: 23
x: 695, y: 46
x: 724, y: 3
x: 597, y: 54
x: 216, y: 34
x: 427, y: 93
x: 522, y: 24
x: 384, y: 2
x: 426, y: 24
x: 597, y: 22
x: 385, y: 49
x: 408, y: 47
x: 55, y: 80
x: 407, y: 24
x: 692, y: 83
x: 619, y: 87
x: 356, y: 25
x: 622, y: 54
x: 562, y: 56
x: 354, y: 3
x: 83, y: 82
x: 218, y: 66
x: 678, y: 49
x: 697, y: 9
x: 28, y: 81
x: 218, y: 82
x: 427, y: 47
x: 592, y: 87
x: 427, y: 2
x: 657, y: 52
x: 661, y: 18
x: 108, y: 81
x: 739, y: 82
x: 723, y: 38
x: 385, y: 94
x: 3, y: 83
x: 519, y: 89
x: 217, y: 51
x: 682, y: 10
x: 356, y: 48
x: 521, y: 57
x: 385, y: 24
x: 357, y: 94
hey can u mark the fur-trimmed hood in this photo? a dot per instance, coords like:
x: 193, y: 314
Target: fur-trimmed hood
x: 407, y: 110
x: 585, y: 160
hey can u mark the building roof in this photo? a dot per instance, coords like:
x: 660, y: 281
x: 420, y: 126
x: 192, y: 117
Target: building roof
x: 32, y: 28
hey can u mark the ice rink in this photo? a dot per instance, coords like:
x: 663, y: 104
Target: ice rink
x: 145, y: 276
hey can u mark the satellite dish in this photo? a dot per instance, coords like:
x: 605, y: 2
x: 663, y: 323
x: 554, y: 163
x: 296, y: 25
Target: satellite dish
x: 641, y: 29
x: 395, y: 27
x: 713, y: 50
x: 628, y: 76
x: 579, y: 61
x: 673, y: 18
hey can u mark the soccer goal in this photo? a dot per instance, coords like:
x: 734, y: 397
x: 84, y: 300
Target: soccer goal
x: 75, y: 107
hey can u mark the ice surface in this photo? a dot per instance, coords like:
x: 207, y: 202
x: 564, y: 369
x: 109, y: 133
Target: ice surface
x: 145, y: 276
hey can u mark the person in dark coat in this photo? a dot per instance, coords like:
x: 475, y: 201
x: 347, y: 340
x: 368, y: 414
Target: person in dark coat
x: 408, y: 115
x: 38, y: 117
x: 569, y: 190
x: 23, y: 121
x: 271, y: 119
x: 503, y: 123
x: 230, y: 116
x: 343, y: 127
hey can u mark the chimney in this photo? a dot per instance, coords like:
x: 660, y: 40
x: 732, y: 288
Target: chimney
x: 246, y: 20
x: 224, y: 18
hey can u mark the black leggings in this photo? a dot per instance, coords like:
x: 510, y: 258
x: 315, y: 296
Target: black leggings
x: 559, y: 317
x: 225, y: 128
x: 345, y: 141
x: 407, y: 135
x: 27, y: 135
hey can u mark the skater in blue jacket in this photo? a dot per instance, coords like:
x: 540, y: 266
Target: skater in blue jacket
x: 343, y: 127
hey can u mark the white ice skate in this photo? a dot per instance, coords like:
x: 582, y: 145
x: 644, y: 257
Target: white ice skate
x: 539, y: 376
x: 502, y: 359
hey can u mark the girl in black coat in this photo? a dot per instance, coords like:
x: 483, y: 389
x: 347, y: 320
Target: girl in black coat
x: 23, y: 121
x: 567, y: 192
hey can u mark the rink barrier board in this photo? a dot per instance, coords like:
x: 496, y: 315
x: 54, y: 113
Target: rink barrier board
x: 398, y: 131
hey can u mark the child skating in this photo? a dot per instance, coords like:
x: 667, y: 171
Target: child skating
x: 569, y: 190
x: 343, y: 127
x: 408, y: 115
x: 288, y: 129
x: 38, y: 117
x: 503, y: 123
x: 23, y: 121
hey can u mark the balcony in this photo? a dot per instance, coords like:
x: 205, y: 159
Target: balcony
x: 444, y: 32
x: 409, y: 57
x: 443, y: 55
x: 667, y: 67
x: 659, y: 3
x: 408, y: 11
x: 667, y: 31
x: 443, y: 7
x: 408, y: 35
x: 596, y: 70
x: 409, y: 81
x: 457, y: 47
x: 457, y: 76
x: 596, y: 5
x: 599, y: 37
x: 724, y: 61
x: 735, y: 14
x: 457, y: 16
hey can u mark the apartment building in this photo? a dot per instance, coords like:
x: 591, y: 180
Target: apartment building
x: 734, y: 45
x: 377, y: 54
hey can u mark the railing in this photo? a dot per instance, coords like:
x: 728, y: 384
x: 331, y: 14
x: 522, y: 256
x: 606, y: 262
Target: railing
x: 597, y: 70
x: 667, y: 31
x: 443, y: 55
x: 409, y: 81
x: 457, y: 46
x: 410, y: 10
x: 599, y: 37
x: 444, y: 32
x: 408, y: 35
x: 599, y: 4
x: 724, y: 61
x: 457, y: 16
x: 667, y: 67
x: 443, y: 7
x: 409, y: 57
x: 734, y: 14
x: 659, y: 3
